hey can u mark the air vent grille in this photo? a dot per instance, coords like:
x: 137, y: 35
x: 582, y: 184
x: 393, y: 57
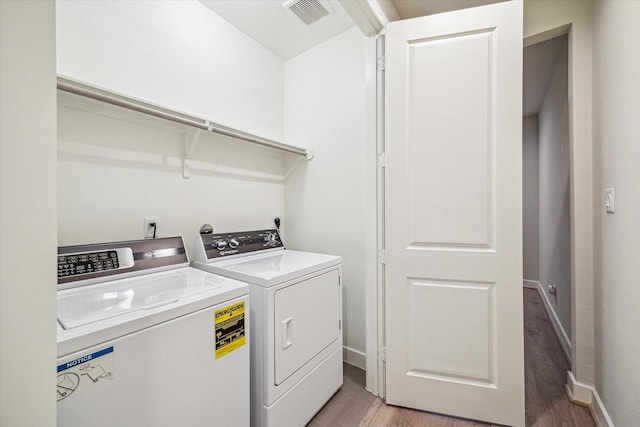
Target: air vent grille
x: 309, y: 11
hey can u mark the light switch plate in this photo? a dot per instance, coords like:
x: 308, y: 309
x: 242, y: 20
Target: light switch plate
x: 609, y: 199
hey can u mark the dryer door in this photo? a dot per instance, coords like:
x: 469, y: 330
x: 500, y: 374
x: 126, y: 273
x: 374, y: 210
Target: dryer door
x: 307, y: 320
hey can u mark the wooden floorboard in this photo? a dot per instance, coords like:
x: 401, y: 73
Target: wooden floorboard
x: 383, y: 415
x: 547, y: 404
x: 546, y: 369
x: 349, y: 405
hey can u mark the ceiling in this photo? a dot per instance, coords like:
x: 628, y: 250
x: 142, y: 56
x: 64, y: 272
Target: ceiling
x: 413, y: 8
x: 274, y: 27
x: 538, y: 64
x: 278, y: 30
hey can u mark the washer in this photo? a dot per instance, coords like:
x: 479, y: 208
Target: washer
x: 146, y: 340
x: 296, y: 321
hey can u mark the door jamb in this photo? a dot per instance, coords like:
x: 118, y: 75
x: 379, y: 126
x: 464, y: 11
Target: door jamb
x: 375, y: 340
x: 577, y: 391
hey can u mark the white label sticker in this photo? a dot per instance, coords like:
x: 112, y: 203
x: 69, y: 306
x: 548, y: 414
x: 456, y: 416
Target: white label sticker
x: 85, y: 371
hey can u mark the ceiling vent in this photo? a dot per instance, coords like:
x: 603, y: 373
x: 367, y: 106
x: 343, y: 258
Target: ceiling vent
x: 308, y: 11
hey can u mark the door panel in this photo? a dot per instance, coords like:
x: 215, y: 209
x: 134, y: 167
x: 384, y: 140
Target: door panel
x: 453, y: 225
x: 434, y: 319
x: 451, y: 128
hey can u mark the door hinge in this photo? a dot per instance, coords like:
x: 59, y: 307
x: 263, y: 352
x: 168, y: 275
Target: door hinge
x: 382, y: 353
x: 381, y: 63
x: 382, y: 160
x: 381, y: 254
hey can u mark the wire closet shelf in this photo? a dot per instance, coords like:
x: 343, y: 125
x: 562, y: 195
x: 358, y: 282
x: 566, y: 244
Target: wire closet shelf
x: 92, y: 92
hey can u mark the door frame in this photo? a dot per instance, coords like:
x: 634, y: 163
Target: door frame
x: 574, y: 23
x: 542, y: 21
x: 565, y: 342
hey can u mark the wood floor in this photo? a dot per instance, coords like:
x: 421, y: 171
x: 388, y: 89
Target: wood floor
x: 545, y: 375
x: 546, y: 372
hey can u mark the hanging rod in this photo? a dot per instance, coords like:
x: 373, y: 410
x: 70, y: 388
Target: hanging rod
x: 88, y: 91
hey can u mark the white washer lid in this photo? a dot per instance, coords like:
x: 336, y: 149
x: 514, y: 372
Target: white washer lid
x: 272, y: 268
x: 150, y: 293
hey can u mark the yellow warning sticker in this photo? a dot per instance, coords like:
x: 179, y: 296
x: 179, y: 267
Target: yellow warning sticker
x: 229, y: 327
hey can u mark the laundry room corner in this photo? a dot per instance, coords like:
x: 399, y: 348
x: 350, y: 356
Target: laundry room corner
x: 120, y: 167
x: 326, y: 202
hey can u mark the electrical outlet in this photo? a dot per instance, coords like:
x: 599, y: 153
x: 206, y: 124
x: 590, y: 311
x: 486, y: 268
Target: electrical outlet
x: 150, y: 230
x: 272, y: 218
x: 553, y: 290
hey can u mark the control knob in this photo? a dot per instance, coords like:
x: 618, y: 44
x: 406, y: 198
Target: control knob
x: 233, y: 243
x: 221, y: 244
x: 271, y: 239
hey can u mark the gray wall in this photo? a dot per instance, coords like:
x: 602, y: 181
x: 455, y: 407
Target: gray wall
x: 553, y: 140
x: 530, y: 210
x: 617, y: 153
x: 27, y: 213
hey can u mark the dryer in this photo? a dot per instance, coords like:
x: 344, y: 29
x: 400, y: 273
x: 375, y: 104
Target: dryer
x: 296, y: 321
x: 146, y: 340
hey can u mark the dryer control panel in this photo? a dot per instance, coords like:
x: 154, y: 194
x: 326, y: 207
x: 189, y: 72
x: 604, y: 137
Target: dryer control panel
x: 218, y: 245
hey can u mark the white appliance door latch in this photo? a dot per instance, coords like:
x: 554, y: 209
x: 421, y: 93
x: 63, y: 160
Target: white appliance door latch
x: 286, y: 342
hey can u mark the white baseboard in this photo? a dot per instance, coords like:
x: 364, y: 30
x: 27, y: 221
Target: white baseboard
x: 354, y: 357
x: 598, y: 411
x: 587, y: 395
x: 565, y: 342
x: 578, y: 392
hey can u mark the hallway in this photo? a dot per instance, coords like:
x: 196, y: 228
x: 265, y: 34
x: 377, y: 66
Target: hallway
x: 545, y: 375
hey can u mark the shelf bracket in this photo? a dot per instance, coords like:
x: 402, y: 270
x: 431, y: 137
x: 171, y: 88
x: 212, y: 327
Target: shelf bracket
x: 310, y: 153
x: 189, y: 148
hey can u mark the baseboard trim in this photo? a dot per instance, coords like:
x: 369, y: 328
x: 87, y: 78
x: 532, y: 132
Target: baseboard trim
x: 531, y: 284
x: 354, y: 357
x: 578, y: 392
x: 586, y: 395
x: 599, y: 412
x: 565, y: 342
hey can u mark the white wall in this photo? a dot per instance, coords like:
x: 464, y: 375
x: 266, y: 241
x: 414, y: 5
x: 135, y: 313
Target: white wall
x: 325, y: 107
x: 540, y: 17
x: 553, y: 144
x: 27, y: 214
x: 173, y: 53
x: 117, y: 167
x: 530, y: 229
x: 616, y: 136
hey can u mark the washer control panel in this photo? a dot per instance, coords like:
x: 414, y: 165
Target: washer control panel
x: 218, y: 245
x: 90, y: 262
x: 97, y: 262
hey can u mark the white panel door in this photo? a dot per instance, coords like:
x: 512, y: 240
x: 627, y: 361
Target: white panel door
x: 453, y: 228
